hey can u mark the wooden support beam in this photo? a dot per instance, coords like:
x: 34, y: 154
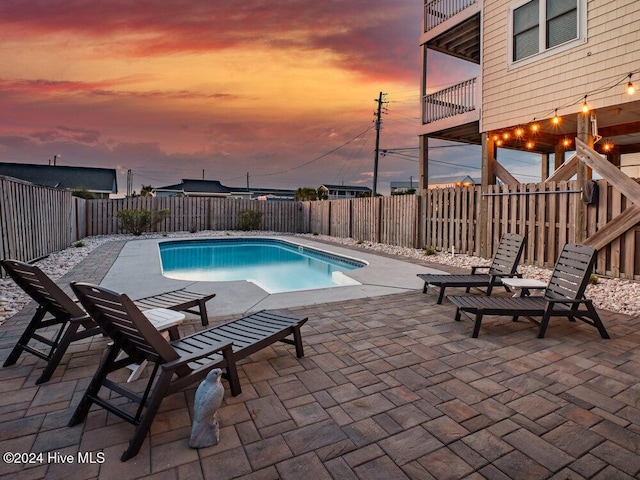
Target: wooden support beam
x: 567, y: 170
x: 504, y: 175
x: 614, y: 228
x: 611, y: 174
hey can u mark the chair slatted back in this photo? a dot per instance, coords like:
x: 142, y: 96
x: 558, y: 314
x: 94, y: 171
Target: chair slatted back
x: 571, y: 273
x: 507, y: 257
x: 42, y: 289
x: 119, y: 317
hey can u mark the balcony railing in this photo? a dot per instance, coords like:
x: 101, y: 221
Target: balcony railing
x: 451, y: 101
x: 438, y: 11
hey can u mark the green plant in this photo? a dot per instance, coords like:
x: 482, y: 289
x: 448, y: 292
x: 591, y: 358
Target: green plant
x: 138, y: 221
x: 593, y: 279
x: 79, y: 244
x: 360, y: 241
x: 165, y: 234
x: 249, y: 220
x: 316, y: 234
x: 194, y: 228
x: 429, y: 251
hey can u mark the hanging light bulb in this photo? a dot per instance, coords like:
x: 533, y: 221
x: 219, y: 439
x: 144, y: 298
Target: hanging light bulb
x: 530, y: 145
x: 630, y: 88
x: 535, y: 127
x: 566, y: 142
x: 505, y: 135
x: 496, y: 138
x: 585, y: 105
x: 556, y: 119
x: 519, y: 132
x: 499, y: 143
x: 607, y: 146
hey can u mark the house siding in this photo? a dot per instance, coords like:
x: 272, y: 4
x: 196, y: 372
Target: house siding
x: 516, y: 95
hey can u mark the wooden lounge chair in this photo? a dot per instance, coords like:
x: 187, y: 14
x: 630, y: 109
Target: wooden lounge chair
x: 563, y: 296
x: 504, y: 264
x: 71, y: 320
x: 178, y: 363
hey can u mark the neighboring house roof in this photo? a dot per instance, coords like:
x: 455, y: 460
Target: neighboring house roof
x: 99, y: 180
x: 345, y: 188
x: 204, y: 187
x: 215, y: 188
x: 403, y: 184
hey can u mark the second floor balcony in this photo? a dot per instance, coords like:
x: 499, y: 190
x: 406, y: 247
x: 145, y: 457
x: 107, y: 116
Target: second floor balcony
x: 437, y: 12
x: 450, y: 102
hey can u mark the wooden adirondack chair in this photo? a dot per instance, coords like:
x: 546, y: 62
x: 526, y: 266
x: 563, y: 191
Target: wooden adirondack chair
x: 563, y: 296
x: 504, y: 264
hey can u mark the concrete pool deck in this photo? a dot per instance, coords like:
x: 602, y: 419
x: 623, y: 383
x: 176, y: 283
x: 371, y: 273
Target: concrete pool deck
x: 137, y: 271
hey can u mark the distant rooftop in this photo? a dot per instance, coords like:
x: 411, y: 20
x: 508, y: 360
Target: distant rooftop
x: 96, y: 180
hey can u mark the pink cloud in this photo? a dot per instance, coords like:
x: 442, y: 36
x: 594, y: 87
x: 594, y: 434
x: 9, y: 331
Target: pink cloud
x: 373, y: 37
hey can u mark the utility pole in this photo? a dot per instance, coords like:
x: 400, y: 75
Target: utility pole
x: 247, y: 180
x: 129, y: 183
x: 378, y: 125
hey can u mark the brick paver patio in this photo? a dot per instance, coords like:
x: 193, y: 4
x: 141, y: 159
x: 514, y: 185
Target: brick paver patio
x: 389, y: 388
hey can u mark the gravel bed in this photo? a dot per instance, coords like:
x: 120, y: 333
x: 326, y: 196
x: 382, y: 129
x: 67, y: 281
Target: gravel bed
x: 622, y: 296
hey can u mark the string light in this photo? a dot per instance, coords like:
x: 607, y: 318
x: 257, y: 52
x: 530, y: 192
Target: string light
x: 556, y: 119
x: 505, y: 135
x: 530, y: 145
x: 630, y: 88
x: 519, y: 132
x: 607, y: 146
x: 535, y: 127
x: 566, y: 142
x: 585, y: 105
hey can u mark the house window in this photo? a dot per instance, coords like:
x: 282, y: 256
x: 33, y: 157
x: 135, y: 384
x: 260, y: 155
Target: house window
x: 539, y: 26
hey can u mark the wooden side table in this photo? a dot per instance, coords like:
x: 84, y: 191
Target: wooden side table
x: 166, y: 322
x: 524, y: 285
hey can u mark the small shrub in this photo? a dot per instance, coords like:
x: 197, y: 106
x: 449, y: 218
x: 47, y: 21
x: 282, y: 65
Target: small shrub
x: 249, y: 220
x: 593, y: 279
x: 429, y: 251
x: 360, y: 241
x: 165, y: 234
x: 83, y: 193
x: 194, y: 228
x: 139, y: 221
x: 316, y: 234
x: 79, y: 244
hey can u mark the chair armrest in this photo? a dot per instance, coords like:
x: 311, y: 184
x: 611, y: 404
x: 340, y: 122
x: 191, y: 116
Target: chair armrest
x: 216, y: 347
x: 569, y: 301
x: 478, y: 267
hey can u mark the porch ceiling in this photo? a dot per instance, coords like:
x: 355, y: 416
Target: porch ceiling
x: 619, y: 125
x: 462, y: 41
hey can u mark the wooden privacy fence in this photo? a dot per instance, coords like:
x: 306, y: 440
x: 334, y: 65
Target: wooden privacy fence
x: 35, y: 221
x: 393, y: 220
x: 543, y: 213
x: 195, y: 214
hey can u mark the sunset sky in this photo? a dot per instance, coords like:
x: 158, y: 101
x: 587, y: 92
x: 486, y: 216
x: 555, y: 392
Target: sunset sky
x: 282, y: 89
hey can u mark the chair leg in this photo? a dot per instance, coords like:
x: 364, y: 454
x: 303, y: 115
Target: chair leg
x: 232, y: 371
x: 458, y: 314
x: 596, y: 321
x: 203, y: 312
x: 94, y: 387
x: 544, y: 323
x: 489, y: 290
x: 70, y: 335
x: 476, y: 327
x: 155, y: 399
x: 441, y: 295
x: 297, y: 338
x: 425, y: 287
x: 25, y: 337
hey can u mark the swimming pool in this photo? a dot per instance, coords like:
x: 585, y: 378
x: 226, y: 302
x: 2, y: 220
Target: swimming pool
x: 274, y: 265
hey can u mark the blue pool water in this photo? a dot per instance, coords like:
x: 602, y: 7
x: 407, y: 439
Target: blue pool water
x: 274, y: 265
